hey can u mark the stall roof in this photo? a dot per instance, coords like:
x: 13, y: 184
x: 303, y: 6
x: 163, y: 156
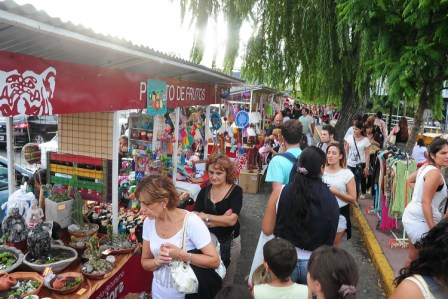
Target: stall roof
x: 25, y: 30
x: 261, y: 88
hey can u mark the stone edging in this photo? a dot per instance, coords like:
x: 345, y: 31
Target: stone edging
x: 376, y: 253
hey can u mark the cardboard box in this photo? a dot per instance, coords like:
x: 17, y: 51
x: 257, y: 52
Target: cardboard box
x: 249, y: 182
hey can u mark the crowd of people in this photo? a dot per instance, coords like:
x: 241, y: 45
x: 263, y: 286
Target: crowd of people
x: 306, y: 218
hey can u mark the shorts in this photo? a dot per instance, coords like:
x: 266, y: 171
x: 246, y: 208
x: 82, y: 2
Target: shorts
x: 415, y: 230
x: 342, y: 224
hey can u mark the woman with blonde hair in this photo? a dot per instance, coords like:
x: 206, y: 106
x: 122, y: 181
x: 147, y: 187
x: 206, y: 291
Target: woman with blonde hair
x: 341, y: 182
x: 162, y: 236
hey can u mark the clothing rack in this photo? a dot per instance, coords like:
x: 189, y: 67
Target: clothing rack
x: 391, y: 190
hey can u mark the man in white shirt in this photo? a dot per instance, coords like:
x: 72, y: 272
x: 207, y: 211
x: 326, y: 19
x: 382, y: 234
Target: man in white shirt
x: 308, y: 125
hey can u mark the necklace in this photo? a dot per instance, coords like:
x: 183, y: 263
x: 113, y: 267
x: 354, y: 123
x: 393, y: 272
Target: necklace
x: 166, y: 230
x: 216, y: 195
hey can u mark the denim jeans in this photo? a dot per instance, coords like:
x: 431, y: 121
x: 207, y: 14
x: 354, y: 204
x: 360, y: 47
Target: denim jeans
x: 300, y: 271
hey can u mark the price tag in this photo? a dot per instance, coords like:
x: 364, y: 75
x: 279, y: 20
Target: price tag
x: 61, y: 207
x: 108, y: 275
x: 47, y: 272
x: 81, y: 291
x: 106, y: 252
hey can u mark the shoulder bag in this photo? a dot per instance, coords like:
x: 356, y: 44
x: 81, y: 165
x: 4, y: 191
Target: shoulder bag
x: 184, y: 279
x: 359, y: 165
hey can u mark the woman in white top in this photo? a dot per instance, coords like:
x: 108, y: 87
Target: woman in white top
x: 162, y: 235
x: 420, y: 153
x: 426, y: 207
x: 427, y: 276
x: 342, y: 184
x: 357, y: 148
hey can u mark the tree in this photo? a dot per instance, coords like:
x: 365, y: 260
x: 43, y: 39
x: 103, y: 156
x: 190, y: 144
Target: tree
x: 294, y: 42
x: 409, y: 42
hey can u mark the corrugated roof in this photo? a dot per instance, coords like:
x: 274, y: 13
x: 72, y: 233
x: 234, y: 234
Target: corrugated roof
x: 23, y: 29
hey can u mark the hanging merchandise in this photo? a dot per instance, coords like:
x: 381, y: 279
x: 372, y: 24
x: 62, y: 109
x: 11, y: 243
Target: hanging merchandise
x: 246, y: 95
x: 225, y: 93
x: 31, y: 152
x: 215, y: 119
x: 242, y: 119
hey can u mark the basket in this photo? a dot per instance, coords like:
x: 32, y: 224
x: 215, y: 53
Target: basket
x: 69, y: 290
x: 32, y: 276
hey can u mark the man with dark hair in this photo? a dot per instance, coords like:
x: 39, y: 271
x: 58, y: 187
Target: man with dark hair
x: 380, y: 123
x: 279, y: 168
x: 280, y: 258
x: 326, y: 137
x: 297, y: 111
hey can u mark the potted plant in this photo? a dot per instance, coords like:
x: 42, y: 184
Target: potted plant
x: 96, y: 268
x: 58, y: 205
x: 80, y: 228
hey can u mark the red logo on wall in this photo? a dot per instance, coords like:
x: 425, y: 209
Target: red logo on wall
x: 27, y: 93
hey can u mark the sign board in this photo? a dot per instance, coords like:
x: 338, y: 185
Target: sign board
x: 156, y: 100
x: 35, y: 86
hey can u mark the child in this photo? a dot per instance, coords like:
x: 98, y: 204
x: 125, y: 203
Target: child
x: 332, y: 273
x: 280, y: 258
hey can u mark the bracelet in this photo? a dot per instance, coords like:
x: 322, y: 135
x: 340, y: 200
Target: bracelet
x: 189, y: 258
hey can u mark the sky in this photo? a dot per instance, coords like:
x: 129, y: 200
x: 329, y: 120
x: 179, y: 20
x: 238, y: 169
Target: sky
x: 152, y: 23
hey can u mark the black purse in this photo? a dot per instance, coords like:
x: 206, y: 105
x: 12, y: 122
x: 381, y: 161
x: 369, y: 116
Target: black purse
x: 360, y: 166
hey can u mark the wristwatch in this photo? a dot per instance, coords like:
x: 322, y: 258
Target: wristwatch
x: 207, y: 219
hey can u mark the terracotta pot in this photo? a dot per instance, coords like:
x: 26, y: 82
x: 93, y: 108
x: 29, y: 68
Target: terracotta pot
x: 6, y: 281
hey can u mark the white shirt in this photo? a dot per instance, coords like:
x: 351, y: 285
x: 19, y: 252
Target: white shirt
x: 418, y: 153
x: 198, y: 236
x: 348, y: 133
x: 414, y: 210
x: 339, y: 180
x: 352, y: 155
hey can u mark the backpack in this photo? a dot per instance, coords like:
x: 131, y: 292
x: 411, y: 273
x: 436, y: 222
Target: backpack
x: 293, y: 160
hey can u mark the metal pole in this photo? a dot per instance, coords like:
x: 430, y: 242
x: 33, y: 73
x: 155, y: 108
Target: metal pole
x: 176, y: 143
x: 116, y: 136
x: 10, y: 154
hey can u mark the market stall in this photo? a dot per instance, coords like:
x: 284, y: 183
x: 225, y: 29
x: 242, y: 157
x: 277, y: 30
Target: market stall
x: 87, y: 79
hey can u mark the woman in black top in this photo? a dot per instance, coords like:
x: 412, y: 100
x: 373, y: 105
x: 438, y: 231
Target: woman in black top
x: 219, y: 205
x: 308, y: 212
x: 401, y: 133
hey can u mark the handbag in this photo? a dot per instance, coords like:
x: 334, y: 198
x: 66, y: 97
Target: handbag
x: 359, y: 166
x: 222, y: 268
x: 184, y: 279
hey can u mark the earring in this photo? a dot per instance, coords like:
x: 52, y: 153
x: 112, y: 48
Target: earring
x: 164, y: 207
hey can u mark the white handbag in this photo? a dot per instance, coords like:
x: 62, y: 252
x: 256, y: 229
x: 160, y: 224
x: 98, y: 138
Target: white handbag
x: 221, y: 269
x: 184, y: 279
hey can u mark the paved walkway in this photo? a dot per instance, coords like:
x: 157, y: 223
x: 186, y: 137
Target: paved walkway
x: 250, y: 218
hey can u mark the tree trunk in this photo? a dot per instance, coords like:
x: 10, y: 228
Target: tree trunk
x: 418, y: 119
x: 350, y: 107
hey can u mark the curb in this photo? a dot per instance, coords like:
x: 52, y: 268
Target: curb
x: 376, y: 253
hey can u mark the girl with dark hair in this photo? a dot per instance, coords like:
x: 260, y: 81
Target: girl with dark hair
x: 426, y: 207
x: 307, y: 213
x: 427, y: 276
x: 420, y: 153
x: 332, y: 274
x: 341, y: 182
x: 357, y: 148
x: 401, y: 133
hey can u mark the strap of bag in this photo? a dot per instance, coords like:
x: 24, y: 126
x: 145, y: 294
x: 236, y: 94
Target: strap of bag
x: 184, y: 234
x: 354, y: 140
x: 288, y: 156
